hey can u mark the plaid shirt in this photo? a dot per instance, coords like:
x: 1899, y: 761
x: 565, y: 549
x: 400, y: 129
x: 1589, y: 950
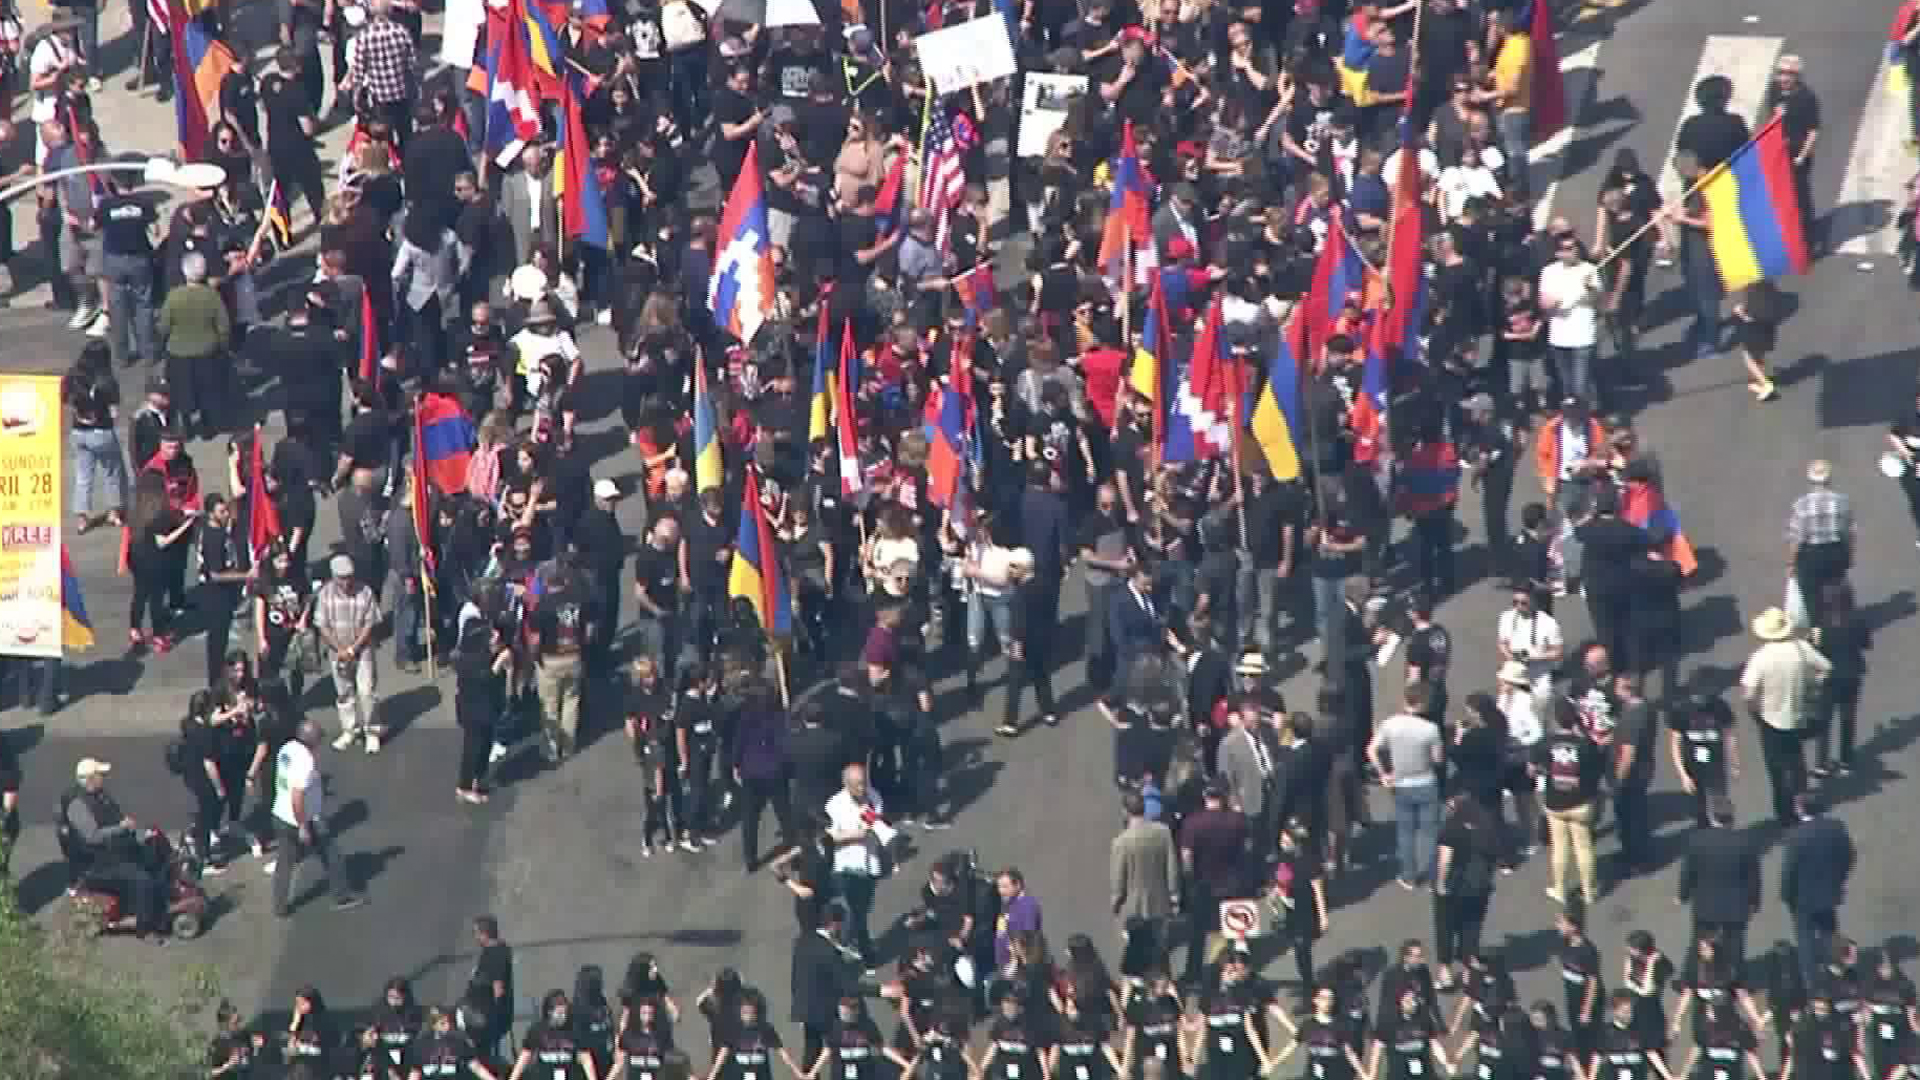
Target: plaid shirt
x: 1821, y: 516
x: 342, y: 616
x: 382, y: 61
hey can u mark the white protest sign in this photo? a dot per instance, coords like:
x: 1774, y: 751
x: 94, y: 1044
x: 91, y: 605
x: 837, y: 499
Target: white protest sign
x: 976, y: 51
x: 1043, y: 108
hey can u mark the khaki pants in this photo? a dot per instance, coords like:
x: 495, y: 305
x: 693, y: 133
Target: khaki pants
x: 557, y: 680
x: 1570, y: 832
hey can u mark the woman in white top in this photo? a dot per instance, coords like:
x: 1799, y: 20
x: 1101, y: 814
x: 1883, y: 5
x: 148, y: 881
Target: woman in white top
x: 1472, y: 177
x: 892, y: 542
x: 1513, y: 695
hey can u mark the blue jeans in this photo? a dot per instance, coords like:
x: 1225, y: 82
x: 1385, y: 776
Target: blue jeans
x: 91, y: 450
x: 409, y: 613
x: 688, y: 77
x: 1514, y: 133
x: 857, y: 890
x: 1813, y: 932
x: 1575, y: 367
x: 1330, y: 617
x: 130, y: 326
x: 985, y: 611
x: 1416, y: 827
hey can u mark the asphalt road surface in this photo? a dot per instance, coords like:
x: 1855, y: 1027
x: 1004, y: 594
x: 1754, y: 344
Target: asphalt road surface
x: 557, y: 858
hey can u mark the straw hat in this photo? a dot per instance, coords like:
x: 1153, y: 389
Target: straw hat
x: 1772, y: 625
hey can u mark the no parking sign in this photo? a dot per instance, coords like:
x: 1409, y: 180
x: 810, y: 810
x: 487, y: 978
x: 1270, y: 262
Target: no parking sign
x: 1241, y: 919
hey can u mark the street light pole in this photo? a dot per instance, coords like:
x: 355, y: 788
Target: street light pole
x: 194, y: 174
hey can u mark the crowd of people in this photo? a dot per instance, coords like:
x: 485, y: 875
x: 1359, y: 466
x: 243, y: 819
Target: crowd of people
x: 451, y: 275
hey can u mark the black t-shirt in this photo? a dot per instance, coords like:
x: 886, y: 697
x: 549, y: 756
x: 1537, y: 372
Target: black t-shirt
x: 285, y: 103
x: 705, y: 540
x: 366, y: 439
x: 857, y: 233
x: 1579, y: 966
x: 239, y: 104
x: 221, y: 552
x: 729, y: 154
x: 494, y: 964
x: 750, y: 1053
x: 561, y: 622
x: 1409, y: 1044
x: 1712, y: 136
x: 441, y: 1057
x: 1572, y: 767
x: 1622, y: 1053
x: 1430, y: 649
x: 1016, y: 1049
x: 93, y: 396
x: 124, y: 220
x: 556, y: 1053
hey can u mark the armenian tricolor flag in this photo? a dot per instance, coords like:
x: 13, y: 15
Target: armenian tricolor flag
x: 1642, y: 504
x: 76, y: 629
x: 1276, y: 414
x: 447, y: 437
x: 1755, y: 229
x: 825, y: 396
x: 709, y: 469
x: 583, y: 207
x: 755, y: 575
x: 1129, y: 217
x: 200, y: 61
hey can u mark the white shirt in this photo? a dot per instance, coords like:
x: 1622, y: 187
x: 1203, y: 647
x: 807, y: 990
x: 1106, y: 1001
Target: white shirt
x: 1523, y: 722
x: 1533, y: 635
x: 846, y: 814
x: 1427, y: 161
x: 294, y: 770
x: 1458, y: 183
x: 1574, y: 322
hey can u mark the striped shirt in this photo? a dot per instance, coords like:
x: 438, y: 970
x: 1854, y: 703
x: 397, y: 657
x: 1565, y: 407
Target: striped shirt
x: 1821, y: 516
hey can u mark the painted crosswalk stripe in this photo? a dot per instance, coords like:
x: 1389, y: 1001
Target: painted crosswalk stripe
x: 1877, y: 175
x: 1745, y: 61
x: 1547, y: 163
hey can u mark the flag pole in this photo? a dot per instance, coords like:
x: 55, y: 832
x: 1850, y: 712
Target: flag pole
x: 1239, y: 494
x: 780, y: 670
x: 1705, y: 178
x: 422, y: 510
x: 920, y: 154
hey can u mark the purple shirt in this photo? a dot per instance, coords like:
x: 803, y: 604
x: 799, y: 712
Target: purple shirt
x: 1021, y: 915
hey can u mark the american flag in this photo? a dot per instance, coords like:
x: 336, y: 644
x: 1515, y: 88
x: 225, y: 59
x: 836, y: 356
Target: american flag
x: 159, y: 17
x: 943, y: 177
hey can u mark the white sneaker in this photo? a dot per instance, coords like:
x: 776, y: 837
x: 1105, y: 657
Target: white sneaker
x: 345, y: 739
x: 98, y: 327
x: 605, y: 318
x: 267, y: 867
x: 372, y: 744
x: 82, y: 315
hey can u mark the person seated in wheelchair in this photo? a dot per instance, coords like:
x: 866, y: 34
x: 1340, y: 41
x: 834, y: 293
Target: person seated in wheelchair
x: 104, y: 850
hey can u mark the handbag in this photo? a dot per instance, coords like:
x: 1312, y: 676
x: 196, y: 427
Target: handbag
x: 303, y: 651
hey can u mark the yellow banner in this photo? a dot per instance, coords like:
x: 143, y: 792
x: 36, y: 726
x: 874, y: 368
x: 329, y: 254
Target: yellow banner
x: 30, y: 515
